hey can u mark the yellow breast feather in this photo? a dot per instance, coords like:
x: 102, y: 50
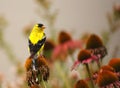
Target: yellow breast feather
x: 35, y: 37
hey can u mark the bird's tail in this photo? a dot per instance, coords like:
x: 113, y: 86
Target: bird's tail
x: 32, y: 55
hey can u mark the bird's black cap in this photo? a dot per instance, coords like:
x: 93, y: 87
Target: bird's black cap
x: 40, y: 25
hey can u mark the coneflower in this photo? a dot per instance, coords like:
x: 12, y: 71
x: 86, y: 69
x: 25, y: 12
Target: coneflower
x: 94, y: 42
x: 81, y: 84
x: 66, y: 40
x: 28, y: 64
x: 66, y: 46
x: 85, y: 58
x: 43, y: 67
x: 95, y: 46
x: 107, y: 68
x: 35, y: 86
x: 64, y: 37
x: 107, y: 79
x: 37, y: 70
x: 115, y: 63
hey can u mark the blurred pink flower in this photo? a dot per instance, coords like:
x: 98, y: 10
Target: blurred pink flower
x: 62, y: 50
x: 117, y: 7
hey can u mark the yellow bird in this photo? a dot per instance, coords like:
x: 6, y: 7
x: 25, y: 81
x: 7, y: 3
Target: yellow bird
x: 37, y: 39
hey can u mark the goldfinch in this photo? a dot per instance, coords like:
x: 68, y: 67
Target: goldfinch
x: 36, y: 40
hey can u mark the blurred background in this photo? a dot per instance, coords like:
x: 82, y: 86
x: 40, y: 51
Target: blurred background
x: 77, y: 17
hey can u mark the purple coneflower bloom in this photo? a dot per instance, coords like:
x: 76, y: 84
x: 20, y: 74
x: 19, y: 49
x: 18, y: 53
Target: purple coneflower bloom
x: 66, y: 46
x: 84, y: 57
x: 95, y: 46
x: 107, y: 79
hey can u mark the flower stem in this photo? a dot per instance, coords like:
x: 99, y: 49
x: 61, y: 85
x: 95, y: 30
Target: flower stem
x: 89, y: 74
x: 43, y: 83
x: 72, y: 57
x: 99, y: 64
x: 62, y: 74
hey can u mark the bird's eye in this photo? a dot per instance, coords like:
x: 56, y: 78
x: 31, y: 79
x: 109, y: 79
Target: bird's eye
x: 40, y: 25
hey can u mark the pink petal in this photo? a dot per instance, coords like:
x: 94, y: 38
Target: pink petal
x: 94, y: 57
x: 64, y: 48
x: 73, y: 44
x: 78, y: 44
x: 87, y: 61
x: 56, y: 51
x: 75, y: 65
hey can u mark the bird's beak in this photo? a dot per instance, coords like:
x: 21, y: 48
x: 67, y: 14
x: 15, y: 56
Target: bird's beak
x: 43, y: 27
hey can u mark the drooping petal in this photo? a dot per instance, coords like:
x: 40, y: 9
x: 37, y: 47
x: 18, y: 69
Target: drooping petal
x: 75, y: 65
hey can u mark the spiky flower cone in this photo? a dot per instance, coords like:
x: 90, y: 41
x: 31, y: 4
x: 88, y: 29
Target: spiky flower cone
x: 64, y: 37
x: 94, y: 42
x: 108, y: 79
x: 36, y: 71
x: 85, y: 57
x: 115, y: 63
x: 107, y: 68
x: 81, y: 84
x: 103, y: 68
x: 35, y: 86
x: 95, y: 45
x: 28, y: 64
x: 43, y: 67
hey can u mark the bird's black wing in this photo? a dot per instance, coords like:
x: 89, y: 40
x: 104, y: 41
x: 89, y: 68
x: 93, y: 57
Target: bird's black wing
x: 35, y: 48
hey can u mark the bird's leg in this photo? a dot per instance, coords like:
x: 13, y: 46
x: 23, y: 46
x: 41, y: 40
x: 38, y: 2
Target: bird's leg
x: 34, y: 60
x: 35, y: 57
x: 35, y: 69
x: 33, y: 66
